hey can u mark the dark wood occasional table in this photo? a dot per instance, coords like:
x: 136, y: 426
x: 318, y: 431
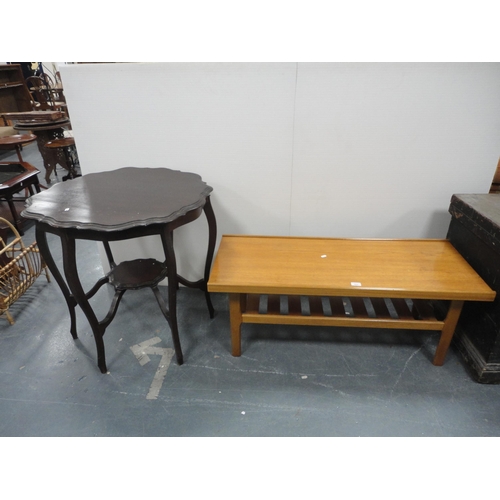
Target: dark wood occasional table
x: 16, y: 142
x: 14, y: 177
x: 120, y: 205
x: 67, y: 145
x: 46, y: 132
x: 47, y: 125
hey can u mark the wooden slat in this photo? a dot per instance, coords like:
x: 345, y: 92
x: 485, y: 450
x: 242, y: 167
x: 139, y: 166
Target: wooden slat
x: 402, y: 309
x: 358, y: 306
x: 253, y: 303
x: 294, y: 306
x: 337, y: 306
x: 315, y: 306
x: 326, y: 306
x: 380, y: 308
x: 273, y: 304
x: 423, y: 310
x: 347, y: 307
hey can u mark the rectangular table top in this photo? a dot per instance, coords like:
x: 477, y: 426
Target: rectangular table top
x: 417, y: 269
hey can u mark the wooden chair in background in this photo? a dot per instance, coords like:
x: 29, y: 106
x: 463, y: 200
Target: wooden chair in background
x: 495, y: 185
x: 44, y: 94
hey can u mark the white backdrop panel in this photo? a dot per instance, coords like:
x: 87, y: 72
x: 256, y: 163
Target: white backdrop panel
x: 380, y: 148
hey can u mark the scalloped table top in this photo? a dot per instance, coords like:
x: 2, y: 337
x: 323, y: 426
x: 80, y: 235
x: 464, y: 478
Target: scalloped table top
x: 119, y: 199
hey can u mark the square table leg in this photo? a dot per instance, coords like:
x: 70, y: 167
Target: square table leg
x: 448, y: 330
x: 237, y: 304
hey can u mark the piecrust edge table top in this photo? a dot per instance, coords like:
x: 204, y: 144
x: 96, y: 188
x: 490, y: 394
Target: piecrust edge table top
x: 93, y: 202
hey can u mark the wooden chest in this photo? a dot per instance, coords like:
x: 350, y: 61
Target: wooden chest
x: 475, y: 232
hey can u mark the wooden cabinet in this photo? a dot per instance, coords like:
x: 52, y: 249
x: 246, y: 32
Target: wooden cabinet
x: 14, y: 94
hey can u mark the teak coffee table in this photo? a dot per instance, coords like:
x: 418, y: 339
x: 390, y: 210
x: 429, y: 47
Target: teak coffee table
x: 344, y: 282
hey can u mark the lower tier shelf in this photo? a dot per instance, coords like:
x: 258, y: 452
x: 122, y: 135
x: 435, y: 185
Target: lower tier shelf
x: 342, y: 311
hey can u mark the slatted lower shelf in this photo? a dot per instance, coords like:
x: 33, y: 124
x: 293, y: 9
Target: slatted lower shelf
x: 341, y: 311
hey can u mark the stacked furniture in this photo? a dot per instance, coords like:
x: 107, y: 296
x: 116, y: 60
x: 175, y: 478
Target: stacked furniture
x: 14, y: 94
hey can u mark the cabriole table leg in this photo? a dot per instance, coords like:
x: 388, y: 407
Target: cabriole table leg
x: 168, y: 248
x: 41, y: 239
x: 212, y: 236
x: 71, y: 272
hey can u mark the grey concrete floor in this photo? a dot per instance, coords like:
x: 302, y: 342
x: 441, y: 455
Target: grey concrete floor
x: 289, y: 381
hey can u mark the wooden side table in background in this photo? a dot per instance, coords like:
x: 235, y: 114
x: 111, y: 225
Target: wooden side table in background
x: 16, y: 142
x: 14, y: 177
